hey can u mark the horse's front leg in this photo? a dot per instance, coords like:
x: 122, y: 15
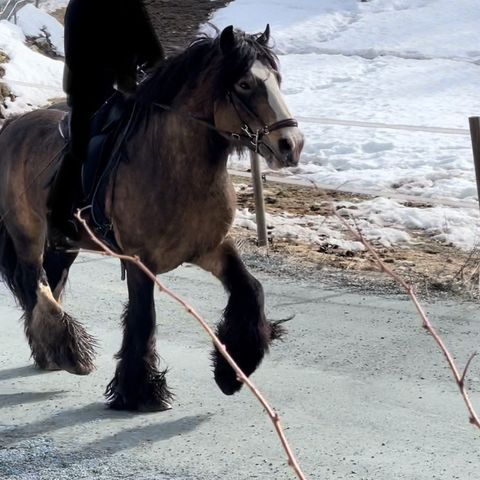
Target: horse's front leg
x: 244, y: 330
x: 138, y: 384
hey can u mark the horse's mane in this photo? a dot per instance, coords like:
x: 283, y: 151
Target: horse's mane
x: 203, y: 58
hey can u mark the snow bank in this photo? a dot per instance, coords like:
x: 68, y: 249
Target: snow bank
x: 31, y: 76
x: 36, y: 23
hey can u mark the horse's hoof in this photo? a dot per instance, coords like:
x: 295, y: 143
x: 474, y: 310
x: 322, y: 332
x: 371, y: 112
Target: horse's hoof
x: 74, y: 361
x: 51, y: 367
x: 78, y: 369
x: 76, y: 355
x: 226, y: 378
x: 117, y: 402
x: 45, y: 364
x: 62, y: 343
x: 151, y: 396
x: 246, y: 346
x: 228, y: 387
x: 161, y: 406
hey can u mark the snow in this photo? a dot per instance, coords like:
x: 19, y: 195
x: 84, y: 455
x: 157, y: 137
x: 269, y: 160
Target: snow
x: 414, y: 62
x: 35, y: 22
x: 31, y: 76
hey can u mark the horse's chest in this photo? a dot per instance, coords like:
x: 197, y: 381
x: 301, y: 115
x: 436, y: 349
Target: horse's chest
x: 199, y: 227
x: 175, y: 222
x: 207, y: 217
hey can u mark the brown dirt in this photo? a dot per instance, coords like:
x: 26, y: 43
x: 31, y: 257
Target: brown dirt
x: 58, y: 14
x: 176, y: 23
x: 429, y: 265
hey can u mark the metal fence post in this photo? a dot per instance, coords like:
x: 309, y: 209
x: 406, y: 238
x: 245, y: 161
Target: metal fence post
x: 259, y: 202
x: 475, y: 134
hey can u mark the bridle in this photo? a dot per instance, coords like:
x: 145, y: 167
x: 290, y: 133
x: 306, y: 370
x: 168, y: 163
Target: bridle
x: 248, y: 137
x: 253, y: 138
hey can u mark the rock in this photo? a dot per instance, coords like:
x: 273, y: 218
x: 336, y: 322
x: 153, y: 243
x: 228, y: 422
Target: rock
x: 5, y: 92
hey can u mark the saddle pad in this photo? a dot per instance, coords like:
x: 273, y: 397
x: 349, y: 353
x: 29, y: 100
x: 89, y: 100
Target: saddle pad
x: 110, y: 127
x: 106, y: 132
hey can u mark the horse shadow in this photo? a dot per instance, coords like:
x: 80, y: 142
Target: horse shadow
x: 103, y: 447
x: 12, y: 399
x: 21, y: 372
x: 96, y: 412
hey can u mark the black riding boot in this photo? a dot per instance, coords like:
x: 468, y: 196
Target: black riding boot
x: 64, y: 199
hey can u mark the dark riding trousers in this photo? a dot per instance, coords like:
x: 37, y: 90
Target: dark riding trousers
x: 105, y: 42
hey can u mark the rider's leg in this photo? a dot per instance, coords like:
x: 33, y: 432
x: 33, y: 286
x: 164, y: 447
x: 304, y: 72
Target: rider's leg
x: 67, y: 193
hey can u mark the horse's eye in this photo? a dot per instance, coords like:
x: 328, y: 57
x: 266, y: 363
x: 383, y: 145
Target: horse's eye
x: 244, y: 85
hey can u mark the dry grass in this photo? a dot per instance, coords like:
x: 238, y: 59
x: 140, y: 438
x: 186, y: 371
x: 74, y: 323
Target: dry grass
x: 430, y: 265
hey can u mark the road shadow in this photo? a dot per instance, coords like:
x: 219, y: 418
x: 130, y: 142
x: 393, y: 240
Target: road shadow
x: 97, y: 412
x: 21, y: 372
x: 20, y: 442
x: 11, y: 399
x: 155, y: 432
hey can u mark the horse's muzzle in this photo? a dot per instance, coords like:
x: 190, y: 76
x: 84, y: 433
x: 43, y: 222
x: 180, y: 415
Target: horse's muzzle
x: 290, y: 150
x: 284, y: 149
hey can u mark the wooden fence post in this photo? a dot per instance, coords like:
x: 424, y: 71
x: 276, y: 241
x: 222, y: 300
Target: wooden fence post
x: 475, y: 134
x: 259, y: 202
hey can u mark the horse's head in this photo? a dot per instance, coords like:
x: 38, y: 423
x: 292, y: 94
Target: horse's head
x: 252, y: 106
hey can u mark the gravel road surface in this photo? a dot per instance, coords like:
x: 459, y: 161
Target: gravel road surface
x: 177, y: 22
x: 362, y: 391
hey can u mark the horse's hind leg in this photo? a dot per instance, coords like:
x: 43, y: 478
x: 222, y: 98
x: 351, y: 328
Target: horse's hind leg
x: 138, y: 384
x: 56, y: 340
x: 244, y: 330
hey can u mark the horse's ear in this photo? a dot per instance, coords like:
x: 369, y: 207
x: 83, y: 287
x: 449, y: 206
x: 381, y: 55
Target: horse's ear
x: 265, y: 36
x: 227, y: 39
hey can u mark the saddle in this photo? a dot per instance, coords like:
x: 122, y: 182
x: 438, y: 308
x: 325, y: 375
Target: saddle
x: 110, y: 128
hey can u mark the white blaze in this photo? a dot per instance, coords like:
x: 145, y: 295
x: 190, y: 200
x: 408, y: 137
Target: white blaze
x: 275, y: 98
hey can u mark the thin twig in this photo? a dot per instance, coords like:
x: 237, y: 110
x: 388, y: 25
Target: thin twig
x: 472, y: 356
x: 459, y: 379
x: 292, y: 461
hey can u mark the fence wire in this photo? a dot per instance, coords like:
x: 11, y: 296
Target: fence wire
x: 308, y: 119
x: 326, y: 121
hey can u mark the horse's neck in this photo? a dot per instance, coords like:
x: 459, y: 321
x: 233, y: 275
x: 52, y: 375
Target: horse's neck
x: 179, y: 143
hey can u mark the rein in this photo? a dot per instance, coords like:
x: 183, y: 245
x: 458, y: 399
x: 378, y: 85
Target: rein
x: 248, y: 137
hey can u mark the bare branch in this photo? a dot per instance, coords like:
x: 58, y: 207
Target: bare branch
x: 459, y: 379
x: 292, y: 461
x: 472, y: 356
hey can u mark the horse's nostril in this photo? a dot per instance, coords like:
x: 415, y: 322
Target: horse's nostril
x: 285, y: 145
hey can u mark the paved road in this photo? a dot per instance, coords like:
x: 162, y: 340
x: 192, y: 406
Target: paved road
x: 363, y: 392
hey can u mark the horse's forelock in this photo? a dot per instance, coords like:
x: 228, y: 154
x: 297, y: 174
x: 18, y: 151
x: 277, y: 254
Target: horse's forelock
x: 238, y: 60
x: 246, y: 50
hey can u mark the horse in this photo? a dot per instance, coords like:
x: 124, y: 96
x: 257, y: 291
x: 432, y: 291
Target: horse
x: 170, y: 201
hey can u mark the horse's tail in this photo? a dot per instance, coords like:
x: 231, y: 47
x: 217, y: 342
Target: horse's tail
x: 8, y: 259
